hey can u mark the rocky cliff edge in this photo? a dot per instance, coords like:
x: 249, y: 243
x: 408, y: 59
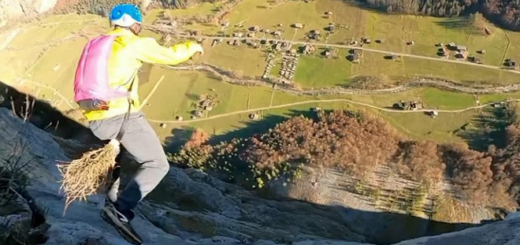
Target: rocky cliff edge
x: 194, y: 208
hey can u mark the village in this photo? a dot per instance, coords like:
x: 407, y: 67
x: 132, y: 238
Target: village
x: 282, y: 55
x: 271, y: 38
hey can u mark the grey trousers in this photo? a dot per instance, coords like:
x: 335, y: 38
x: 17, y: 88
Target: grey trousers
x: 140, y: 140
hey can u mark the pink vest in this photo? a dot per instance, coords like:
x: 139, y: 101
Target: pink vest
x: 91, y: 81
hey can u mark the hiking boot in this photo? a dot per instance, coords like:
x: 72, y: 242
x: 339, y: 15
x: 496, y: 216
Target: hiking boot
x: 122, y: 224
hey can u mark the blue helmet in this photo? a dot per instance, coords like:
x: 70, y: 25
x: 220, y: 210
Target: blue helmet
x: 125, y: 15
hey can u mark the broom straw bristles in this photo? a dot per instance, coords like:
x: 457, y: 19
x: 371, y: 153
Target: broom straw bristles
x: 85, y: 176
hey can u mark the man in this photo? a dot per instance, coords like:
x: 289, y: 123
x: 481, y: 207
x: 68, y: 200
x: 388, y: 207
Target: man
x: 120, y: 117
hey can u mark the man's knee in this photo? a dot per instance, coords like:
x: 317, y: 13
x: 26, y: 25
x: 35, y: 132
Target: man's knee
x: 159, y: 162
x: 163, y: 165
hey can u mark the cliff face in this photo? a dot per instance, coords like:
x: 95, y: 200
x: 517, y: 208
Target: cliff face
x: 189, y: 207
x: 23, y: 8
x: 26, y: 9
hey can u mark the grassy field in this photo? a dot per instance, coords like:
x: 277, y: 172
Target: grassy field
x: 395, y: 30
x: 318, y: 71
x: 241, y: 59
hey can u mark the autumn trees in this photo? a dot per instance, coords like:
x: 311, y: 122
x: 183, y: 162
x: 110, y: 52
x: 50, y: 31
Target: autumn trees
x: 358, y: 143
x: 503, y: 12
x: 440, y: 8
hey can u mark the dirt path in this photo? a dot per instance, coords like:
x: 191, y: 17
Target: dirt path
x: 143, y: 103
x: 322, y: 101
x: 9, y: 39
x: 279, y: 106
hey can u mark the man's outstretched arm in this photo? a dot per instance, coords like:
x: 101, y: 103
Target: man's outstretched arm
x: 149, y: 51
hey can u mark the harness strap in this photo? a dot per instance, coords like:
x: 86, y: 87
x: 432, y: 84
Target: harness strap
x: 127, y: 115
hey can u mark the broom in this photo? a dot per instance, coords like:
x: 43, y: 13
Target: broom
x: 89, y: 174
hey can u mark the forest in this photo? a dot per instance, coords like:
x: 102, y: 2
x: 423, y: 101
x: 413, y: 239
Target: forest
x: 502, y: 12
x: 356, y: 142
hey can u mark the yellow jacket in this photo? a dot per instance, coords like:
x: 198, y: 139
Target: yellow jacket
x: 128, y: 54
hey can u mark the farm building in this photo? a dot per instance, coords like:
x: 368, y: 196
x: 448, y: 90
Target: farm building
x: 356, y: 51
x: 327, y: 53
x: 308, y: 49
x: 412, y: 105
x: 198, y: 113
x: 278, y: 46
x: 415, y: 105
x: 443, y: 52
x: 331, y: 27
x: 178, y: 118
x: 366, y: 40
x: 475, y: 60
x: 298, y: 25
x: 509, y: 63
x: 452, y: 45
x: 234, y: 42
x: 461, y: 55
x: 254, y: 28
x: 356, y: 58
x: 328, y: 13
x: 462, y: 48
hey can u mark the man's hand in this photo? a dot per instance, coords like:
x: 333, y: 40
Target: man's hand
x: 199, y: 51
x: 100, y: 105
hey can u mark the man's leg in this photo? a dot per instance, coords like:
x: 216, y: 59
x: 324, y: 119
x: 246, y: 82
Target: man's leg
x: 113, y: 185
x: 142, y: 143
x: 139, y: 140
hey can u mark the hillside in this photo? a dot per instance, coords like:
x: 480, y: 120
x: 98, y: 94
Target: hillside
x: 503, y: 13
